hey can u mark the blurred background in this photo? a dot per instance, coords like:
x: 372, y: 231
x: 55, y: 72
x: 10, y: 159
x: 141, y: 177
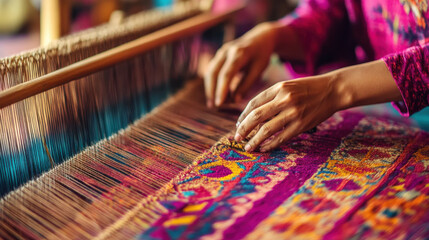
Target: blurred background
x: 21, y: 20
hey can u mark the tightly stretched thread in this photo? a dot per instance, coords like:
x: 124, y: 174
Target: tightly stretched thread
x: 86, y: 194
x: 57, y: 124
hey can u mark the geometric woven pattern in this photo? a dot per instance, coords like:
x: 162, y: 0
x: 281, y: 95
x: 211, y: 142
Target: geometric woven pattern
x: 356, y: 176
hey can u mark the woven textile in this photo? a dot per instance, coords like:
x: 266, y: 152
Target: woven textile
x: 356, y: 176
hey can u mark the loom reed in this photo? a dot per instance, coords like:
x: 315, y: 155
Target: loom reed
x: 49, y: 128
x: 85, y: 196
x: 88, y: 154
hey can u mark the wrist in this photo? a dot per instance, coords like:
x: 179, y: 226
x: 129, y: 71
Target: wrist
x: 277, y: 28
x: 271, y: 30
x: 262, y: 37
x: 341, y: 90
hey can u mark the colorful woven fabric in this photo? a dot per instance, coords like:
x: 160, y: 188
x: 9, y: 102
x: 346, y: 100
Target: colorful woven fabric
x: 356, y: 176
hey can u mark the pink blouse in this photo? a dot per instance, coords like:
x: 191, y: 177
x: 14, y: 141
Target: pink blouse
x: 354, y: 31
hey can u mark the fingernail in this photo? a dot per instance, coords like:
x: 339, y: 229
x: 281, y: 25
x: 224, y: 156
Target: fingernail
x: 218, y: 101
x: 209, y: 104
x: 237, y: 124
x: 248, y: 148
x: 237, y: 137
x: 262, y: 150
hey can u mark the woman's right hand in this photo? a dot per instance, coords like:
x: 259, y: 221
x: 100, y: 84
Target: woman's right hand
x: 248, y: 55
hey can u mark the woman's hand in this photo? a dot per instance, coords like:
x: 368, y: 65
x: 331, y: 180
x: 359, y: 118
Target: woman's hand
x: 249, y: 55
x: 287, y: 109
x: 292, y: 107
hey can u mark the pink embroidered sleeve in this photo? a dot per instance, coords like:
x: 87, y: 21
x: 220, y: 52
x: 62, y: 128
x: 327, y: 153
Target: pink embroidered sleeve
x: 410, y: 69
x: 315, y: 22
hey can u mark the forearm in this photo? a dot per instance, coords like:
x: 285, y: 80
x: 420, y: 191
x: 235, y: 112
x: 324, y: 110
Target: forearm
x: 364, y: 84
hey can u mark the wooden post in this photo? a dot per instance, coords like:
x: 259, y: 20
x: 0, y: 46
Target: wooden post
x: 54, y: 20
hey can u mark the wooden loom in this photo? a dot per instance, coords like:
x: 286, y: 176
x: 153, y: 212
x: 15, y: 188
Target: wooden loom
x: 94, y: 177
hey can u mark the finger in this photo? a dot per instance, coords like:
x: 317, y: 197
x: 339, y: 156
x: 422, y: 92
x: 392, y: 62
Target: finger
x: 235, y: 82
x: 235, y: 60
x: 247, y: 82
x: 256, y: 117
x: 210, y: 77
x: 260, y: 99
x: 290, y: 131
x: 267, y: 130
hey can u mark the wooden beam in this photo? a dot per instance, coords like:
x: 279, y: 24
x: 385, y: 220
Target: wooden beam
x: 110, y: 57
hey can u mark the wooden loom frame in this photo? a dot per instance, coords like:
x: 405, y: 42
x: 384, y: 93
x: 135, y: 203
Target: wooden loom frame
x: 112, y: 56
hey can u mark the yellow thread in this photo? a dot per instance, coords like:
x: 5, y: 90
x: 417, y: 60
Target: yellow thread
x: 195, y: 208
x: 47, y: 152
x: 185, y: 220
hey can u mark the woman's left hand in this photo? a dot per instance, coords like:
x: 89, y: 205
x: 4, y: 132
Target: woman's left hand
x: 286, y: 109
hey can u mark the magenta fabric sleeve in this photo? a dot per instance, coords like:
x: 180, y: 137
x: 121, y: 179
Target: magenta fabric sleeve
x: 410, y: 69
